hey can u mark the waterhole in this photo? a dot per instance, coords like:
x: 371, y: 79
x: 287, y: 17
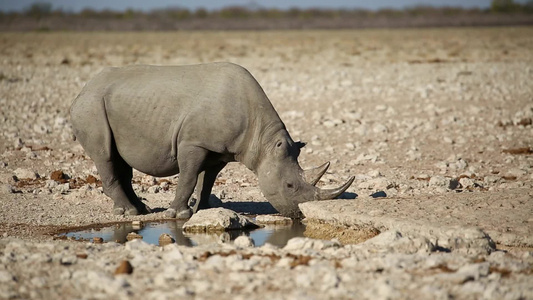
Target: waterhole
x: 277, y: 235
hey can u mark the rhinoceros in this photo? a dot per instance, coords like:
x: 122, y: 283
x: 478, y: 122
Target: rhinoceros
x: 191, y: 120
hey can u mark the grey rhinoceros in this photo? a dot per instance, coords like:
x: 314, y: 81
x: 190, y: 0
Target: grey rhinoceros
x: 191, y: 120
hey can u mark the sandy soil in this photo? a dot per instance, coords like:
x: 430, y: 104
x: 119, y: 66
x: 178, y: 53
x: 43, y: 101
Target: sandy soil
x: 437, y: 121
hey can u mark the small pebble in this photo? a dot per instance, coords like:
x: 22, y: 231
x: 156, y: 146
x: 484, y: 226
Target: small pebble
x: 133, y: 236
x: 165, y: 239
x: 124, y: 268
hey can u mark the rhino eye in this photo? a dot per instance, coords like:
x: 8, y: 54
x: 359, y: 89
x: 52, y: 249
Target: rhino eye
x: 278, y: 144
x: 289, y: 185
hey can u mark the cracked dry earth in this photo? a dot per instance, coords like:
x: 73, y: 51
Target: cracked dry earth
x: 436, y: 125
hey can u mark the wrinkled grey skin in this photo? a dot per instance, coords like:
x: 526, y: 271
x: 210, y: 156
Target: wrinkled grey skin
x: 192, y: 120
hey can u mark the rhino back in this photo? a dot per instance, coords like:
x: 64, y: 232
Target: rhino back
x: 152, y: 110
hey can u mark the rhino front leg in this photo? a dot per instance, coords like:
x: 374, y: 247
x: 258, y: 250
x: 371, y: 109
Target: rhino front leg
x: 206, y: 180
x: 190, y: 162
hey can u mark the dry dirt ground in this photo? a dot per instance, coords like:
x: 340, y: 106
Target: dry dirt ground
x: 436, y: 124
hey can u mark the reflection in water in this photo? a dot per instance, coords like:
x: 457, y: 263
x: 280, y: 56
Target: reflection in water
x: 274, y: 234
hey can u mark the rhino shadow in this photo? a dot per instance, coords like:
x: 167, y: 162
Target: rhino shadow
x: 258, y: 208
x: 253, y: 208
x: 348, y: 195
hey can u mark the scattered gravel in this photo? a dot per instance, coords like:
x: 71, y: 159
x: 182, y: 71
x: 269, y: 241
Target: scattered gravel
x: 435, y: 125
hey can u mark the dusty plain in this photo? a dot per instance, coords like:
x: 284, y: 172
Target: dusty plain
x: 436, y: 125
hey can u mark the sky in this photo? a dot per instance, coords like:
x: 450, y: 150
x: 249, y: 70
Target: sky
x: 77, y: 5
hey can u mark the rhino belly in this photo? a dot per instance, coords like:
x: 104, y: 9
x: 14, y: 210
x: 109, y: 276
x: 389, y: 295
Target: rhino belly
x: 145, y: 146
x: 151, y: 159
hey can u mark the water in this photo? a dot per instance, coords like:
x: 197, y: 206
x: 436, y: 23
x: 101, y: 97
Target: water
x: 274, y: 234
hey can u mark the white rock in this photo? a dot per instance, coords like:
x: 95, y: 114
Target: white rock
x: 154, y: 189
x: 439, y: 181
x: 516, y: 172
x: 329, y: 279
x: 329, y: 124
x: 9, y: 188
x: 244, y: 241
x: 164, y: 185
x: 361, y: 130
x: 466, y: 182
x: 41, y: 128
x: 149, y: 180
x: 101, y: 281
x: 26, y: 174
x: 285, y: 262
x: 442, y: 165
x: 489, y: 179
x: 63, y: 188
x: 380, y: 183
x: 292, y: 114
x: 413, y: 154
x: 380, y: 128
x: 300, y: 243
x: 216, y: 219
x: 171, y: 252
x: 65, y: 275
x: 448, y: 140
x: 38, y: 282
x: 60, y: 122
x: 460, y: 164
x: 50, y: 184
x: 361, y: 158
x: 5, y: 276
x: 374, y: 173
x: 468, y: 272
x: 381, y: 107
x: 403, y: 244
x: 380, y: 289
x: 304, y: 280
x: 215, y: 262
x: 137, y: 244
x: 271, y: 219
x: 346, y: 82
x: 68, y: 259
x: 18, y: 143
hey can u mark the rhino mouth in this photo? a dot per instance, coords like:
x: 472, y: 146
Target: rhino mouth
x: 286, y: 199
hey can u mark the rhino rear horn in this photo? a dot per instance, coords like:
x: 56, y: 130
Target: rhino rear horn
x: 313, y: 175
x: 326, y: 194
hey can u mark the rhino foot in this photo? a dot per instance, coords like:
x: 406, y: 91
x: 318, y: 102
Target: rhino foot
x: 144, y: 209
x: 125, y: 211
x: 170, y: 213
x: 184, y: 214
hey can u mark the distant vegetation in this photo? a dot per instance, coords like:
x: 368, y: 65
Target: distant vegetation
x: 43, y: 16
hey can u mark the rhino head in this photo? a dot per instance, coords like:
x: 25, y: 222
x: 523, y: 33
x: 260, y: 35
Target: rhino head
x: 284, y: 183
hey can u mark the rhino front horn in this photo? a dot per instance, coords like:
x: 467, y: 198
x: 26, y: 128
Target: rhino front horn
x: 326, y: 194
x: 313, y: 175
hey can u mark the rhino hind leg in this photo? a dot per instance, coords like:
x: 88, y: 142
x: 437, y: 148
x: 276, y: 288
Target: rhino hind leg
x: 204, y: 186
x: 116, y: 178
x: 190, y: 162
x: 125, y: 175
x: 97, y: 141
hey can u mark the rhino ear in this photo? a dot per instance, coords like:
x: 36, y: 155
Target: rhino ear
x: 300, y: 144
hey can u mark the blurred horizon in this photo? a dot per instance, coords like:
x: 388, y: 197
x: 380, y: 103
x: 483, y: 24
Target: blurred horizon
x: 138, y: 15
x: 142, y: 5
